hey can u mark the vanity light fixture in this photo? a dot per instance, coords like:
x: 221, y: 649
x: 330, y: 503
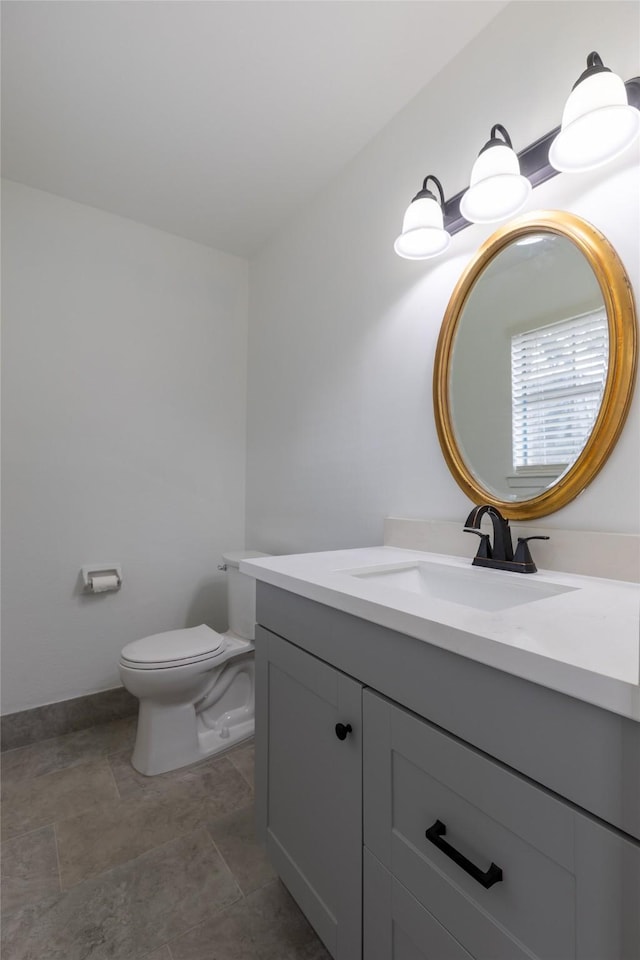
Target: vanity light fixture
x: 497, y: 190
x: 598, y: 122
x: 601, y: 119
x: 423, y: 234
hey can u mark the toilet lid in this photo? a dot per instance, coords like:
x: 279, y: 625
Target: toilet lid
x: 193, y: 643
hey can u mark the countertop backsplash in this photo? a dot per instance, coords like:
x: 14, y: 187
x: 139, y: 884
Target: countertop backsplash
x: 615, y: 556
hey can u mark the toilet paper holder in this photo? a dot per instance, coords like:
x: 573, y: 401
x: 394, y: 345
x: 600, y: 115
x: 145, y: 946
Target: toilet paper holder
x: 101, y: 577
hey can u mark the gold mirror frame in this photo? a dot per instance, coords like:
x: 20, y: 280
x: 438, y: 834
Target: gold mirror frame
x: 618, y: 299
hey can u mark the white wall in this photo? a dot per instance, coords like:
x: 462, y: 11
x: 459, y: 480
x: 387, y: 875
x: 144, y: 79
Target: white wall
x: 343, y: 332
x: 124, y: 437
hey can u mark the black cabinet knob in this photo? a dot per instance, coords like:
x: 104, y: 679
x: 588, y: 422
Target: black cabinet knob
x: 342, y: 730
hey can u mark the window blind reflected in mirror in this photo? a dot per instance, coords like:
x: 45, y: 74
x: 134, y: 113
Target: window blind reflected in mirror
x: 558, y: 374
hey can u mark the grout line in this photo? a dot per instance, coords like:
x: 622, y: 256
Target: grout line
x: 163, y: 946
x: 273, y: 879
x: 21, y: 836
x: 94, y: 805
x: 120, y: 800
x: 55, y: 839
x: 145, y: 853
x: 249, y: 783
x: 222, y: 910
x: 229, y: 870
x: 48, y: 773
x: 6, y: 913
x: 26, y: 746
x: 241, y: 772
x: 73, y: 765
x: 216, y: 913
x: 25, y: 833
x: 185, y: 832
x: 239, y: 898
x: 115, y: 782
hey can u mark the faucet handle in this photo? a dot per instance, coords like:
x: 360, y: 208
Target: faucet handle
x: 523, y: 555
x: 484, y: 549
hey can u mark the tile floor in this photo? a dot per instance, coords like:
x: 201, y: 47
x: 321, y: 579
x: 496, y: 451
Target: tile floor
x: 100, y: 863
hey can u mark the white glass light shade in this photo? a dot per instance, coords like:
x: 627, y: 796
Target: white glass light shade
x: 597, y: 124
x: 423, y: 234
x: 497, y: 189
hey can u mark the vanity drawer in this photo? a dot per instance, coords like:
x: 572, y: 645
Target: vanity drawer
x: 560, y: 869
x: 417, y: 776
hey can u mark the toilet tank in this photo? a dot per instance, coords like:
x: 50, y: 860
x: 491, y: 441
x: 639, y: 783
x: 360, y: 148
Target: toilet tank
x: 241, y: 593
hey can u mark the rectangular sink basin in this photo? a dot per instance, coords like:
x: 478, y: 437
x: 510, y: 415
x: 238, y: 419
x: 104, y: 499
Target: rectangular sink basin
x: 467, y: 586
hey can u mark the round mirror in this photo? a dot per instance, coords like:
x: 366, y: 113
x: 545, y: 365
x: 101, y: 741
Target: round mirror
x: 535, y: 364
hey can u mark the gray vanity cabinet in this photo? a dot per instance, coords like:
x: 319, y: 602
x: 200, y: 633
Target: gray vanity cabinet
x: 309, y: 761
x: 502, y: 773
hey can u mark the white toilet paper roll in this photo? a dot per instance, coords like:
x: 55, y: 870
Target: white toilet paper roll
x: 104, y: 582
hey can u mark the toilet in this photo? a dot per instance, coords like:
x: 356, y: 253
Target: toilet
x: 195, y: 686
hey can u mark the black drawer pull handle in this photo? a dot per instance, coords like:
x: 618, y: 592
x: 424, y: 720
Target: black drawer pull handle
x: 342, y: 730
x: 487, y: 878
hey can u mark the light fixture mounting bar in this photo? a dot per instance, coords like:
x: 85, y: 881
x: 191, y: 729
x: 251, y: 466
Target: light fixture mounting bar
x: 534, y: 164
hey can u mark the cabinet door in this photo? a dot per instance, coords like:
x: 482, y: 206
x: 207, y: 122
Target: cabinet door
x: 309, y: 786
x: 396, y: 926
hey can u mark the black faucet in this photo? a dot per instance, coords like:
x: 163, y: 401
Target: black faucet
x: 500, y: 556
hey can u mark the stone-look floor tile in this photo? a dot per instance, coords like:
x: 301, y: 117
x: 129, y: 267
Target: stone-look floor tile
x: 161, y: 954
x: 99, y: 839
x: 30, y: 804
x: 129, y: 911
x: 267, y: 924
x: 130, y: 782
x: 235, y: 838
x: 29, y: 869
x: 48, y: 756
x: 243, y: 760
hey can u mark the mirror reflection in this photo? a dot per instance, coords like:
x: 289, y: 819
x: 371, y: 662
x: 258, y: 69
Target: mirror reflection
x: 528, y: 366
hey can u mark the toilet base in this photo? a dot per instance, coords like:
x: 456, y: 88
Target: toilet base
x: 212, y: 741
x: 171, y: 736
x: 207, y: 743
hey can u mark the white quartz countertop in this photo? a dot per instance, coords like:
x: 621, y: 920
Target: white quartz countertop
x: 584, y: 642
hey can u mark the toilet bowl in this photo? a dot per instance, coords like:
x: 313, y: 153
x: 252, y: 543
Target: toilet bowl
x: 195, y: 686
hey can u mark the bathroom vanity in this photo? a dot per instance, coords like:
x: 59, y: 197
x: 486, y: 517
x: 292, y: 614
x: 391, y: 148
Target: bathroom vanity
x: 448, y: 758
x: 440, y: 780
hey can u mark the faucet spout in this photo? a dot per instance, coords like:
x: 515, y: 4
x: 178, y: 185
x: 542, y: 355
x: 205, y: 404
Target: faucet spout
x: 502, y: 549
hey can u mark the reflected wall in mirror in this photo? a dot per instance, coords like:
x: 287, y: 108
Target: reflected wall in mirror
x: 535, y: 364
x: 524, y: 397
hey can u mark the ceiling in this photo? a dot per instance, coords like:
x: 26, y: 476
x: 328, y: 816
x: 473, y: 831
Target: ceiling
x: 212, y: 120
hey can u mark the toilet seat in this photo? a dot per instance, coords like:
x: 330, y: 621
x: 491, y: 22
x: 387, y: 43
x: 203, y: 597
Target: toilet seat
x: 174, y: 648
